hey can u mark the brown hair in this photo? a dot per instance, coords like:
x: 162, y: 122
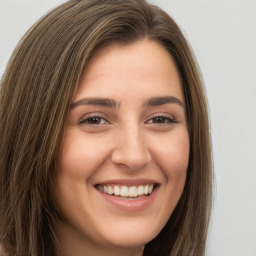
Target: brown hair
x: 36, y: 92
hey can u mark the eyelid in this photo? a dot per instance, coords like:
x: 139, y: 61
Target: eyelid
x: 164, y: 115
x: 93, y: 115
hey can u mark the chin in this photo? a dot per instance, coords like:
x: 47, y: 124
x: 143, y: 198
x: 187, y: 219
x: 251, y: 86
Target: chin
x: 132, y: 235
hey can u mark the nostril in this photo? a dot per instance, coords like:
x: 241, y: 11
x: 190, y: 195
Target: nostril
x: 132, y: 159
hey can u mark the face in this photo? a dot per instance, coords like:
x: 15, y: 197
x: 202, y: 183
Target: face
x: 124, y: 156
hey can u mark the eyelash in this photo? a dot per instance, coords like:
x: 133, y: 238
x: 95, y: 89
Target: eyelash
x: 167, y: 120
x: 99, y: 120
x: 93, y: 119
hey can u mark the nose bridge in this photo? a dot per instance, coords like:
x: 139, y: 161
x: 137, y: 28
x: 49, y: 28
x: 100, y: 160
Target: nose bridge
x: 131, y: 148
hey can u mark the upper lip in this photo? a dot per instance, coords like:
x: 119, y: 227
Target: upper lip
x: 128, y: 182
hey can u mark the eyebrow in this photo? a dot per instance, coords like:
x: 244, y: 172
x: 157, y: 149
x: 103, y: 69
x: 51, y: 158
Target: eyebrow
x: 157, y: 101
x: 105, y: 102
x: 111, y: 103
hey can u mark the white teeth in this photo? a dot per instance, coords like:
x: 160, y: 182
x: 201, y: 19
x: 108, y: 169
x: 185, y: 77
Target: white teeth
x: 146, y: 189
x: 110, y: 190
x: 132, y: 191
x: 140, y: 190
x: 150, y: 189
x: 125, y: 191
x: 116, y: 190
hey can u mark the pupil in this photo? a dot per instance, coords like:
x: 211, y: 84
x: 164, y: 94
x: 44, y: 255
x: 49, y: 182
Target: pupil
x: 95, y: 120
x: 159, y: 119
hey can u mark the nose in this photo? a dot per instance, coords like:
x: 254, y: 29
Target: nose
x: 131, y: 149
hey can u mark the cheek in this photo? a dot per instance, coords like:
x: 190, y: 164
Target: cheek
x: 172, y: 153
x: 173, y: 158
x: 81, y: 155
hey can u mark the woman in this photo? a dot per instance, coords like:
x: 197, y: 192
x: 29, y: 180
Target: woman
x: 105, y: 146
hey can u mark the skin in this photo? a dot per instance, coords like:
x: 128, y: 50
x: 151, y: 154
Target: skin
x: 130, y: 141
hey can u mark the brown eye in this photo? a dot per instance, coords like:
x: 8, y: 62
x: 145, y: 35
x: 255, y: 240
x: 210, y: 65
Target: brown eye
x: 161, y: 120
x: 95, y: 120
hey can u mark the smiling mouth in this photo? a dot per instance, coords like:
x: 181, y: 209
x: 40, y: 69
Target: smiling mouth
x: 125, y: 192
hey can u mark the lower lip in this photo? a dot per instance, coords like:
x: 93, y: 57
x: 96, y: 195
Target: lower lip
x: 136, y: 205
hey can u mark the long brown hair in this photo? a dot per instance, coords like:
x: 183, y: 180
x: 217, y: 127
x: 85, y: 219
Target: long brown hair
x: 36, y: 92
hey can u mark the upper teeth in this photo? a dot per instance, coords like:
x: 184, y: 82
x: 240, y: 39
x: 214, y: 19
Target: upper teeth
x: 126, y: 191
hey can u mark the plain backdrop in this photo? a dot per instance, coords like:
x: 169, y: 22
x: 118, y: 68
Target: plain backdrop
x: 223, y: 36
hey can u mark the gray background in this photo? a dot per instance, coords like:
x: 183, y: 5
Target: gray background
x: 223, y: 36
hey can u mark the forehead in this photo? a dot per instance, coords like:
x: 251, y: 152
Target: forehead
x: 139, y: 50
x: 140, y: 67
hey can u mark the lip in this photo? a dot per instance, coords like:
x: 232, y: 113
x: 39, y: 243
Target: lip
x: 137, y: 205
x: 128, y: 183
